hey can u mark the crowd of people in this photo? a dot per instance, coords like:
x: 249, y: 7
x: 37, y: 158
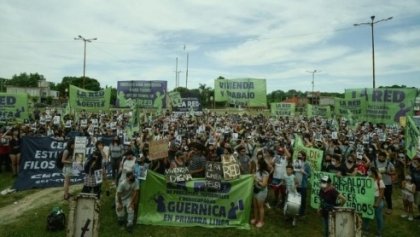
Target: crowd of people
x: 262, y: 146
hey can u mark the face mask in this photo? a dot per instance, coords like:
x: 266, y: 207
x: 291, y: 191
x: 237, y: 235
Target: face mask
x: 385, y: 147
x: 333, y: 162
x: 323, y: 185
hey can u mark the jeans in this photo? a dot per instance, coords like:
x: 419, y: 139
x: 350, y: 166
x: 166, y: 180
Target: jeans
x: 302, y: 192
x: 379, y: 219
x: 325, y: 226
x: 388, y: 196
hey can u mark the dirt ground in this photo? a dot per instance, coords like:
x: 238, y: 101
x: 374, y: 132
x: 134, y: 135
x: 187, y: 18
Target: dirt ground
x: 46, y: 196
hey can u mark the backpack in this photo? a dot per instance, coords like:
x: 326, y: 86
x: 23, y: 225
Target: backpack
x: 56, y: 220
x: 58, y: 162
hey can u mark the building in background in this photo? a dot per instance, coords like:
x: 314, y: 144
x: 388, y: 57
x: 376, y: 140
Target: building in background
x: 41, y: 92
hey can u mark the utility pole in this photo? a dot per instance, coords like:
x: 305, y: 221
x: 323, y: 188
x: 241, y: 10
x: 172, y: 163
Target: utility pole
x: 84, y: 54
x: 186, y: 73
x: 372, y: 23
x: 313, y: 78
x: 176, y: 73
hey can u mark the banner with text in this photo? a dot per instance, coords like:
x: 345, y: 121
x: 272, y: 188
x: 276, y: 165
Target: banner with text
x: 384, y: 105
x: 175, y: 98
x: 359, y: 192
x: 313, y: 156
x: 351, y: 109
x: 13, y: 107
x: 318, y: 110
x: 192, y: 204
x: 81, y: 99
x: 148, y: 94
x: 412, y: 138
x: 188, y: 104
x: 244, y: 92
x: 282, y: 109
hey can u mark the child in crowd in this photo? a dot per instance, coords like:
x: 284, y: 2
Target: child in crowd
x: 408, y: 189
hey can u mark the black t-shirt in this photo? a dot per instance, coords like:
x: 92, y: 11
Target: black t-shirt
x: 328, y: 200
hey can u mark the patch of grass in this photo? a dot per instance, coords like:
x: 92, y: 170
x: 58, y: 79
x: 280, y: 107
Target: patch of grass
x: 33, y: 223
x: 7, y: 181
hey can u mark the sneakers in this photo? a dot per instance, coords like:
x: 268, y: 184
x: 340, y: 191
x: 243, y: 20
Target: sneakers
x: 268, y: 205
x: 259, y: 224
x: 410, y: 218
x: 404, y: 215
x: 253, y: 221
x: 388, y: 211
x: 294, y: 221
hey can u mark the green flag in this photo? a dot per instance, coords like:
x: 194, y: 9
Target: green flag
x: 13, y: 107
x: 244, y: 92
x: 192, y: 204
x: 411, y: 138
x: 81, y: 99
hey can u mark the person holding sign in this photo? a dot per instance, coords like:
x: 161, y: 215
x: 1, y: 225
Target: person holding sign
x: 93, y: 168
x: 328, y: 196
x: 386, y: 168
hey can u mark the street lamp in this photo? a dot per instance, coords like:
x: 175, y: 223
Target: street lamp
x: 313, y: 79
x: 84, y: 53
x: 373, y: 22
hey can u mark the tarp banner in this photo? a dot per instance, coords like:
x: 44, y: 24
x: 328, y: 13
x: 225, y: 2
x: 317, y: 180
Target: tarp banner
x: 13, y: 107
x: 192, y: 204
x: 283, y: 109
x: 244, y: 92
x: 384, y: 105
x: 148, y: 94
x: 359, y: 192
x: 188, y: 104
x: 95, y: 101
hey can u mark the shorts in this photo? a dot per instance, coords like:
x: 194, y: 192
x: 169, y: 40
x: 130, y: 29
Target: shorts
x: 68, y: 171
x: 261, y: 195
x: 408, y: 196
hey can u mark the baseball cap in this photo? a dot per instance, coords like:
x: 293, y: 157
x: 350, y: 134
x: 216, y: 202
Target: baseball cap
x: 326, y: 179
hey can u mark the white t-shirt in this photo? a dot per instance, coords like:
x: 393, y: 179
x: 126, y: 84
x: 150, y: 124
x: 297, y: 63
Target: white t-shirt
x: 280, y: 164
x: 381, y: 185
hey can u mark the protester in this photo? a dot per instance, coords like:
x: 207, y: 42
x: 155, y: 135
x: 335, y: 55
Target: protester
x: 15, y: 143
x: 93, y: 168
x: 415, y: 177
x: 116, y: 152
x: 378, y: 204
x: 126, y: 200
x: 328, y: 196
x: 67, y: 160
x: 291, y: 183
x: 260, y: 193
x: 408, y: 189
x: 303, y: 172
x: 386, y: 169
x: 127, y: 165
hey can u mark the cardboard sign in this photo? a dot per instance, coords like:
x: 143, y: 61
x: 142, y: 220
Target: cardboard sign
x: 158, y: 149
x: 231, y: 169
x: 98, y: 176
x: 176, y: 175
x: 214, y: 172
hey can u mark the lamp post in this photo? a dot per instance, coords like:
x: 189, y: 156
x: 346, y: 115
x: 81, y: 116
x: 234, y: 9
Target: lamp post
x: 84, y: 53
x: 372, y: 23
x: 313, y: 79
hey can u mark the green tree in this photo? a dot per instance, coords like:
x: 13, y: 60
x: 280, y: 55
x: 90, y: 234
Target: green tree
x: 205, y: 94
x: 25, y: 80
x: 90, y: 84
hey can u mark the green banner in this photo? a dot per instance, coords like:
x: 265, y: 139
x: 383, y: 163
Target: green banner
x: 318, y: 110
x: 81, y: 99
x: 243, y: 92
x: 359, y: 192
x: 282, y: 109
x: 191, y: 204
x: 13, y: 107
x: 384, y: 105
x: 351, y: 109
x: 175, y: 98
x: 313, y: 156
x: 412, y: 138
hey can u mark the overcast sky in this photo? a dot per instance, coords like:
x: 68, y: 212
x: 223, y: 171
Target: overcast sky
x: 277, y: 40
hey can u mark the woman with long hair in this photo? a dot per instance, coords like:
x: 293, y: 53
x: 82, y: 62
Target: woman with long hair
x: 379, y: 202
x: 260, y: 192
x: 67, y: 160
x: 14, y: 154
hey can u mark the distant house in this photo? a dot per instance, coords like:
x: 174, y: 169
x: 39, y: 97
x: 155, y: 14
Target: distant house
x: 42, y: 91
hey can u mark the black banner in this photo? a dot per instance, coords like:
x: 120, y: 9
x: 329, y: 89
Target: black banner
x: 37, y: 164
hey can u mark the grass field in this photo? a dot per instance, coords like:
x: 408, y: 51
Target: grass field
x: 33, y: 222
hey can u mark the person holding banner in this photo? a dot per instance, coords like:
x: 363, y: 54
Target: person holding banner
x: 328, y: 196
x: 93, y: 174
x: 67, y: 160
